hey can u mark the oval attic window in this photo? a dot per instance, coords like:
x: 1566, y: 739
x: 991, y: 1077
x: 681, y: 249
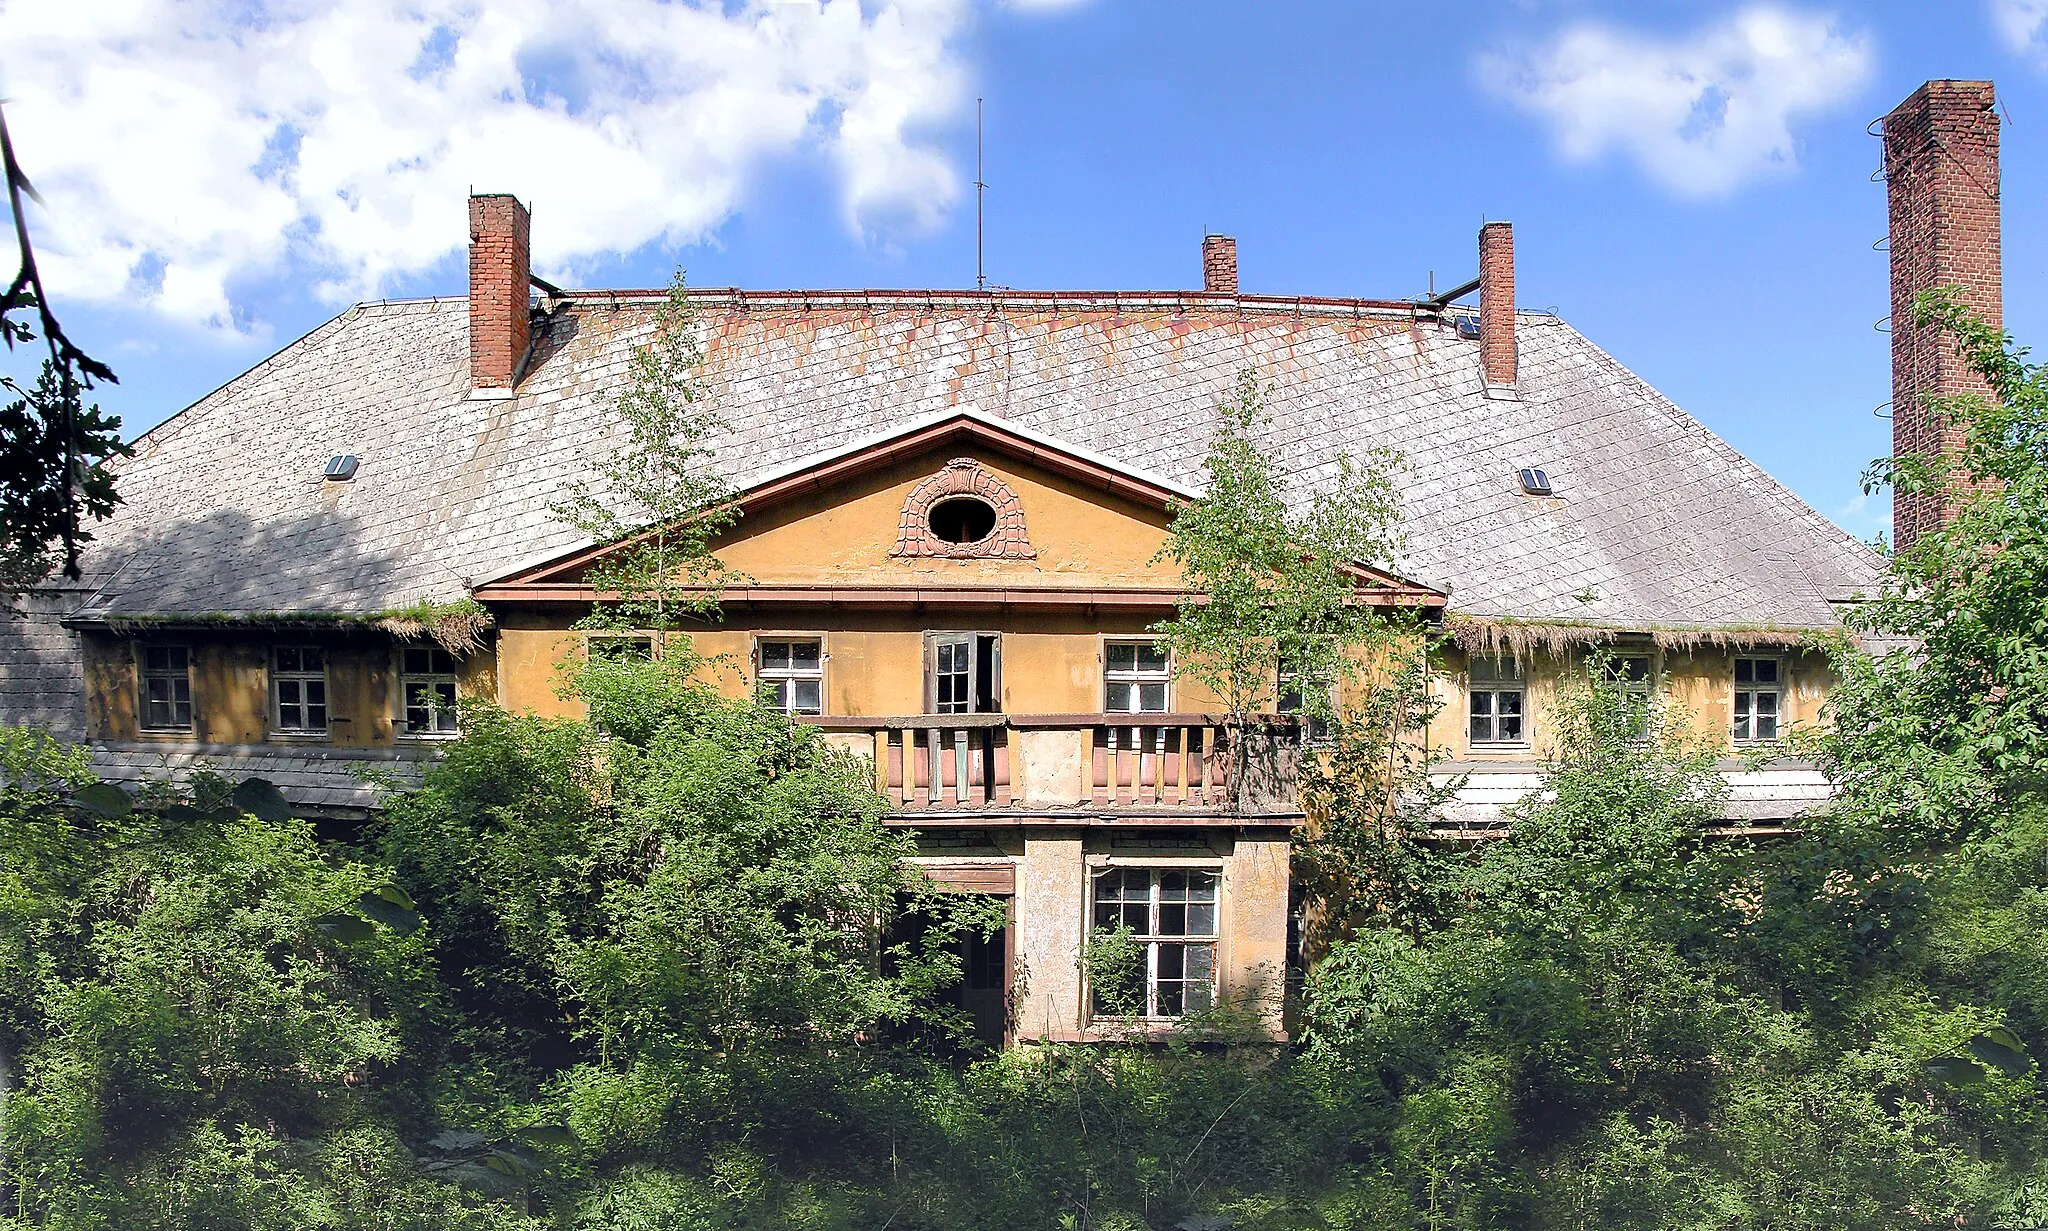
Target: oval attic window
x: 962, y: 519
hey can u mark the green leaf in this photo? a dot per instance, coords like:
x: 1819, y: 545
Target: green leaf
x: 2002, y: 1050
x: 391, y: 907
x: 396, y: 896
x: 1954, y: 1070
x: 104, y: 799
x: 260, y: 799
x: 346, y: 928
x: 523, y: 1158
x: 476, y: 1177
x: 548, y: 1135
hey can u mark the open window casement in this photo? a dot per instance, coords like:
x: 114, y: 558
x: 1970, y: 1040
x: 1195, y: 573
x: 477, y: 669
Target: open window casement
x: 963, y: 673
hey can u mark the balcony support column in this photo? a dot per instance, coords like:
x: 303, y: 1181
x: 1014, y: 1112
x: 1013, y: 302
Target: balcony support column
x: 1051, y: 906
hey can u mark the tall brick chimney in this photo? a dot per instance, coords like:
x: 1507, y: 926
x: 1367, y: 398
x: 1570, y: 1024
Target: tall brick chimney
x: 1219, y: 264
x: 1941, y: 178
x: 1497, y: 303
x: 500, y: 264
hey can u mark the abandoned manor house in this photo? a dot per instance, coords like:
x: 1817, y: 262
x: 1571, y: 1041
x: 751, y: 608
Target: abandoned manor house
x: 952, y: 502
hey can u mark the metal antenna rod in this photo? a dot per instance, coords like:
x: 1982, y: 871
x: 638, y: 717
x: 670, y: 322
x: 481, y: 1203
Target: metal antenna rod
x: 980, y: 278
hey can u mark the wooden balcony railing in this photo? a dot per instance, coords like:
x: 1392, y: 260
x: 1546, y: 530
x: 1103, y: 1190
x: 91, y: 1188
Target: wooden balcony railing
x: 976, y: 762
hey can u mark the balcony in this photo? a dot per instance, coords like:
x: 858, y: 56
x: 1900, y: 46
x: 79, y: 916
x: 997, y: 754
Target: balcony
x: 1161, y: 768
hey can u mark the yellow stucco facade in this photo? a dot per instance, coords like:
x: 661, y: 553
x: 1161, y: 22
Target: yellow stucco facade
x: 1695, y: 686
x: 1041, y: 793
x: 232, y: 701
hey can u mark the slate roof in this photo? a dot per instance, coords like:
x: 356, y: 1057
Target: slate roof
x: 321, y: 780
x: 42, y: 679
x: 1774, y: 795
x: 1656, y: 523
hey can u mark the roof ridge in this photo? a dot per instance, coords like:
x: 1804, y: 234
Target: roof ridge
x: 996, y: 299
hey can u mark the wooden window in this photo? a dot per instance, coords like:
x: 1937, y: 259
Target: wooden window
x: 791, y: 674
x: 1291, y: 699
x: 1758, y: 693
x: 1135, y: 675
x: 426, y: 690
x: 1498, y: 701
x: 963, y: 673
x: 1632, y: 674
x: 1172, y: 913
x: 298, y: 689
x: 621, y: 647
x: 166, y: 688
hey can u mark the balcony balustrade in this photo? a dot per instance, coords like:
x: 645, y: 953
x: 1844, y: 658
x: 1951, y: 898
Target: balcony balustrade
x: 1164, y: 764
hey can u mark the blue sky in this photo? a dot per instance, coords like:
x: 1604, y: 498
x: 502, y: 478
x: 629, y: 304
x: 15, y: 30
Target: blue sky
x: 1691, y: 183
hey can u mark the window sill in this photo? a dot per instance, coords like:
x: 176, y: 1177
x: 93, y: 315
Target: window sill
x: 1127, y: 1027
x: 178, y: 735
x: 1480, y: 750
x: 299, y: 737
x: 1139, y: 1030
x: 426, y: 737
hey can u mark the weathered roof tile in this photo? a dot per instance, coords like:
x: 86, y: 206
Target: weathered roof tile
x: 1655, y: 517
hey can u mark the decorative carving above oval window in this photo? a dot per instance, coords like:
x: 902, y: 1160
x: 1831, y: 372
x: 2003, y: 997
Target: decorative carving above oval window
x: 963, y: 512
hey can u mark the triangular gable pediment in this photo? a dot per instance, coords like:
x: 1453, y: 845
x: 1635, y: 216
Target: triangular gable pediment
x: 946, y: 454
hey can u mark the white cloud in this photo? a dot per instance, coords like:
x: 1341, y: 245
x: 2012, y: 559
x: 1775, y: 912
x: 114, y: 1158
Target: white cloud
x: 186, y: 147
x: 1701, y: 113
x: 2021, y: 24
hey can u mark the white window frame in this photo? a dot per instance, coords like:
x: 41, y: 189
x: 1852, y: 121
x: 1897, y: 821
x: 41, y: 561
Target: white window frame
x: 1153, y: 939
x: 303, y: 680
x: 177, y: 680
x: 787, y: 679
x: 1494, y: 678
x: 432, y: 679
x: 1746, y: 716
x: 1137, y: 677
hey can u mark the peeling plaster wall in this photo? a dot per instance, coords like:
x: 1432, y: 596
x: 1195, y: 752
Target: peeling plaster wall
x: 1051, y: 887
x: 1054, y: 908
x: 230, y: 674
x: 1697, y: 686
x: 874, y: 659
x: 845, y: 534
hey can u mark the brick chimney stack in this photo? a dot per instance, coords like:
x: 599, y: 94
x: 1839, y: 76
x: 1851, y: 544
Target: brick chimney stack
x: 1497, y: 303
x: 1219, y: 265
x: 1941, y: 179
x: 500, y: 263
